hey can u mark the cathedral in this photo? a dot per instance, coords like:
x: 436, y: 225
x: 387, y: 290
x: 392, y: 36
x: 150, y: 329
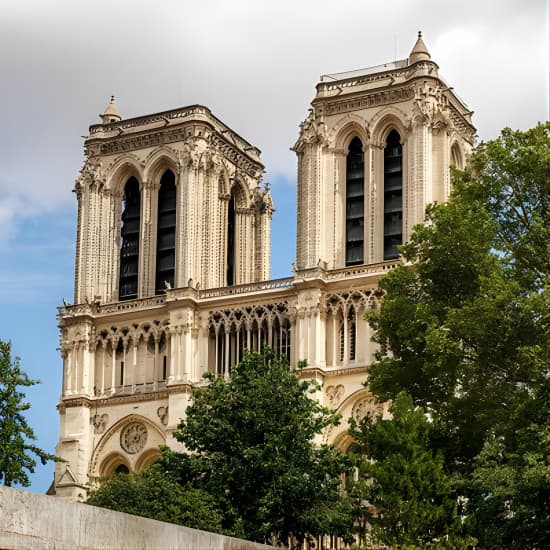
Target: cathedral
x: 173, y: 255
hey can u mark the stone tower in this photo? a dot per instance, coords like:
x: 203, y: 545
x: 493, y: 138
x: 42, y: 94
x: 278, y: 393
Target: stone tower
x: 374, y: 150
x: 172, y: 258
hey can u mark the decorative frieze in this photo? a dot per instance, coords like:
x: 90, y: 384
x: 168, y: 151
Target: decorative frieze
x: 376, y: 99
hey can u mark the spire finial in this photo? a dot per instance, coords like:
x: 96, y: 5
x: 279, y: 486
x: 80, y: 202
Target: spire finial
x: 420, y: 51
x: 111, y: 113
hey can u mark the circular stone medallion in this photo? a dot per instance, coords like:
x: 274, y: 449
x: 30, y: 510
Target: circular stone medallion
x: 133, y: 437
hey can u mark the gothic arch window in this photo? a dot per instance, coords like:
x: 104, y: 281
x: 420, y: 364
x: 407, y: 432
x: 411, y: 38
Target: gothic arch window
x: 352, y: 333
x: 347, y: 336
x: 129, y: 248
x: 166, y: 233
x: 342, y: 338
x: 230, y: 267
x: 355, y: 199
x: 114, y: 464
x: 393, y: 195
x: 456, y: 157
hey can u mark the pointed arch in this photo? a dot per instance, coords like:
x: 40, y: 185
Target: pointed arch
x: 122, y: 170
x: 355, y: 202
x: 393, y: 195
x: 165, y: 264
x: 107, y: 452
x: 348, y: 408
x: 130, y: 240
x: 457, y: 155
x: 161, y: 159
x: 347, y: 128
x: 113, y: 463
x: 386, y: 120
x: 239, y: 190
x: 147, y: 458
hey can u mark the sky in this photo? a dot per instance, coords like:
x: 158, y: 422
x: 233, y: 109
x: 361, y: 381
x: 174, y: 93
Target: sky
x: 255, y: 64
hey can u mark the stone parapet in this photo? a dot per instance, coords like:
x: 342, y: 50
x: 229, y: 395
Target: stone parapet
x: 37, y: 522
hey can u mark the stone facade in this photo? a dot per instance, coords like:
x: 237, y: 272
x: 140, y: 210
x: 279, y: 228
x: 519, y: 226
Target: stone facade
x: 149, y: 321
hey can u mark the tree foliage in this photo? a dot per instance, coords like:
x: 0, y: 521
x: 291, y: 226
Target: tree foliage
x: 403, y: 480
x: 154, y: 493
x: 252, y: 438
x: 467, y: 320
x: 16, y: 436
x: 251, y: 455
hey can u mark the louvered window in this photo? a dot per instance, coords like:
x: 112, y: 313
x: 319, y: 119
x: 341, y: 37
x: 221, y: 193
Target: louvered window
x: 393, y: 196
x: 129, y: 248
x: 355, y: 198
x: 166, y: 233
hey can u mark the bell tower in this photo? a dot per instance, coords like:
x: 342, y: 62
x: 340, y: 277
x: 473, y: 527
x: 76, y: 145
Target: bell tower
x: 374, y: 150
x: 170, y: 208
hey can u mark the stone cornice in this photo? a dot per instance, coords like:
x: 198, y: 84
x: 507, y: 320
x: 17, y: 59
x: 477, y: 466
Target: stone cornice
x: 205, y: 299
x: 365, y: 100
x: 310, y: 372
x: 90, y: 402
x: 345, y: 82
x: 170, y: 127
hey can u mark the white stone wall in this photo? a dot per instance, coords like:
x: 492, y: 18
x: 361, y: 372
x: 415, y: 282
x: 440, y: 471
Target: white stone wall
x: 37, y: 522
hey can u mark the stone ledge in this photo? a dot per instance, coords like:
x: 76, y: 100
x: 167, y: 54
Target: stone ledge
x: 38, y: 522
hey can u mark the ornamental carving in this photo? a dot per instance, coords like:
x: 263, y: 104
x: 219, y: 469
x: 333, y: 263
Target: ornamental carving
x: 365, y: 407
x: 429, y: 100
x: 99, y: 422
x: 90, y: 172
x: 312, y: 131
x: 335, y: 394
x: 162, y: 413
x: 133, y: 437
x: 371, y: 100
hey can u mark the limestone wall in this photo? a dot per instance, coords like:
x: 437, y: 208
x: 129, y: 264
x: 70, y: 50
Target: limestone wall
x: 39, y: 522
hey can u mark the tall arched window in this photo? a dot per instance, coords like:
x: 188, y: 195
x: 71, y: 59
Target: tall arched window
x: 129, y: 248
x: 166, y: 233
x: 230, y: 271
x: 355, y: 215
x: 393, y: 195
x: 456, y: 156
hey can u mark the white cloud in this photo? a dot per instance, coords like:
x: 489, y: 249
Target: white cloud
x: 255, y: 64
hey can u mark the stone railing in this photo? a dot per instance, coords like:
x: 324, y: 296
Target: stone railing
x: 327, y: 80
x: 151, y: 302
x: 128, y: 305
x: 95, y: 308
x: 131, y: 389
x: 274, y: 284
x: 360, y: 270
x: 163, y: 117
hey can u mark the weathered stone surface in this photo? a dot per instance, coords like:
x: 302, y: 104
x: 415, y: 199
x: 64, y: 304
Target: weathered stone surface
x: 39, y: 522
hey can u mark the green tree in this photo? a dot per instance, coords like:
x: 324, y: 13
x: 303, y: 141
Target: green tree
x: 466, y: 318
x: 403, y: 480
x: 154, y: 493
x: 16, y: 436
x: 251, y: 439
x: 510, y: 176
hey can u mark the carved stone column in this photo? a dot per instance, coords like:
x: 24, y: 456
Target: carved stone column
x: 148, y: 238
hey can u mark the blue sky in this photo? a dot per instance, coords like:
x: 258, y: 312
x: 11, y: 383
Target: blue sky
x: 254, y: 64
